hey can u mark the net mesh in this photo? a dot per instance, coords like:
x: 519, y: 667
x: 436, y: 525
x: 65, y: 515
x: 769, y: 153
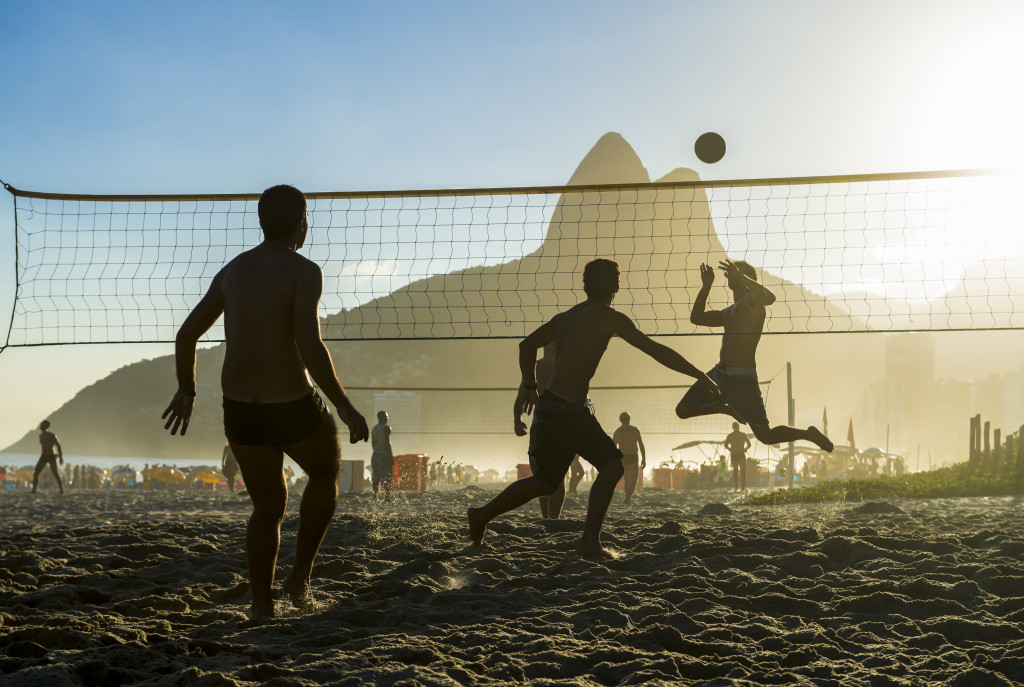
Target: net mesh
x: 922, y: 251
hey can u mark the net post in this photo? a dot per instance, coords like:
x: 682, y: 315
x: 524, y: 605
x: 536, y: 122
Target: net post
x: 14, y: 301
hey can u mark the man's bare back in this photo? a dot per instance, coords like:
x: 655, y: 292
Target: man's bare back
x: 581, y: 335
x: 259, y: 290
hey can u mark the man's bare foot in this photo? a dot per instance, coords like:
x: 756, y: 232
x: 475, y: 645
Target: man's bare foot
x: 477, y: 525
x: 259, y: 611
x: 593, y: 550
x: 298, y: 593
x: 628, y: 503
x: 823, y: 442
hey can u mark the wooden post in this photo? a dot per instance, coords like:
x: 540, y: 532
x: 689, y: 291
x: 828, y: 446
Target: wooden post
x: 988, y: 446
x: 1020, y: 459
x: 971, y: 456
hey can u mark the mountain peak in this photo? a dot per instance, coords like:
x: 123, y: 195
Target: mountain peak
x: 611, y: 161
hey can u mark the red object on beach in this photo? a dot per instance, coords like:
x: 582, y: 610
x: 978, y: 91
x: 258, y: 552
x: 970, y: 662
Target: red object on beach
x: 679, y: 478
x: 410, y: 472
x: 524, y: 470
x: 662, y: 478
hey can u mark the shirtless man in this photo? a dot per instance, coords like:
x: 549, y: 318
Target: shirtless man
x: 48, y: 442
x: 229, y: 466
x: 736, y: 371
x: 563, y: 425
x: 634, y: 455
x: 382, y: 462
x: 269, y: 297
x: 738, y: 442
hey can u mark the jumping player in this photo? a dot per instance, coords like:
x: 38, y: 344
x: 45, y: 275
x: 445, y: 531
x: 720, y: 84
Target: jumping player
x: 736, y: 371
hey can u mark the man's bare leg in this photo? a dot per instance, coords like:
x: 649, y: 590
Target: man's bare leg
x: 575, y: 477
x: 784, y: 433
x: 685, y: 412
x: 320, y: 457
x: 261, y: 470
x: 56, y: 475
x: 555, y: 502
x: 515, y: 495
x: 601, y: 493
x: 631, y: 475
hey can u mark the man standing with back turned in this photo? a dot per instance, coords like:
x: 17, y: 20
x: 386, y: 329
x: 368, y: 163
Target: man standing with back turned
x: 269, y: 297
x: 564, y: 424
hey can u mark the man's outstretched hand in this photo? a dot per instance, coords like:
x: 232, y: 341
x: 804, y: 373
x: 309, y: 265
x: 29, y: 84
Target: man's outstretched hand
x: 179, y: 412
x: 710, y: 386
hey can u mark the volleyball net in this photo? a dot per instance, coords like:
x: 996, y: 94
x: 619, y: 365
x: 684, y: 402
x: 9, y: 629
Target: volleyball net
x: 888, y: 252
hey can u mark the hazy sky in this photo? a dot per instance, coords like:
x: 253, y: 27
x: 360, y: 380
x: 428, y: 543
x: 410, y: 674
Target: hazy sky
x: 231, y: 96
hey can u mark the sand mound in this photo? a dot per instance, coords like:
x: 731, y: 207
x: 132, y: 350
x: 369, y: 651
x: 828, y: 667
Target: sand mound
x: 877, y: 508
x: 716, y: 509
x: 123, y: 588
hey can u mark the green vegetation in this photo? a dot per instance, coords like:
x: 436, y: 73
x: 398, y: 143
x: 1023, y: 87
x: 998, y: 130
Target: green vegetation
x: 985, y: 477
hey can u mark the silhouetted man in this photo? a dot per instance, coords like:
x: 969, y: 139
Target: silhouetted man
x: 382, y: 462
x: 564, y: 424
x: 634, y: 455
x: 269, y: 297
x: 48, y: 442
x: 229, y: 466
x: 737, y: 442
x: 736, y: 371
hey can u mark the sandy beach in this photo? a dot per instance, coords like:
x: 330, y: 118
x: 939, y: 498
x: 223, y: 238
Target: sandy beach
x: 148, y: 588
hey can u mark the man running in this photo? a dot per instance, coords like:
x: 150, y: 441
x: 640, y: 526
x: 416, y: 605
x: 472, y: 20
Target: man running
x: 564, y: 424
x: 634, y: 455
x: 269, y: 298
x: 382, y: 462
x: 48, y: 442
x: 736, y: 371
x: 738, y: 442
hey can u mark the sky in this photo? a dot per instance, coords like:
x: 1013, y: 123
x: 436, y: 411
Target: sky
x: 190, y: 97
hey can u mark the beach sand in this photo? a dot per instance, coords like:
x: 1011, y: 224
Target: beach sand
x: 148, y: 588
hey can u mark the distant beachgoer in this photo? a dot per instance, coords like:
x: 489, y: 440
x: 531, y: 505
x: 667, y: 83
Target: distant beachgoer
x: 564, y: 424
x: 634, y: 455
x: 736, y: 371
x: 382, y: 462
x: 576, y: 473
x: 269, y: 297
x: 48, y: 442
x: 229, y: 466
x: 738, y: 442
x: 723, y: 471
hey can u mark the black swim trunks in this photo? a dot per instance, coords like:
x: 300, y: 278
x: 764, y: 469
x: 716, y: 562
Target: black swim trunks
x: 560, y: 431
x: 274, y: 424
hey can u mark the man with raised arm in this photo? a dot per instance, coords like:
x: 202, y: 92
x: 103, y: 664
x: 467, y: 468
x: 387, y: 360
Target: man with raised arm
x: 736, y: 371
x: 48, y: 441
x: 564, y: 425
x: 269, y: 297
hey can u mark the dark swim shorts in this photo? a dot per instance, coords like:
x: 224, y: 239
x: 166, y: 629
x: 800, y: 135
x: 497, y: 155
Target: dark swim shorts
x: 739, y: 389
x: 274, y: 424
x: 560, y: 431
